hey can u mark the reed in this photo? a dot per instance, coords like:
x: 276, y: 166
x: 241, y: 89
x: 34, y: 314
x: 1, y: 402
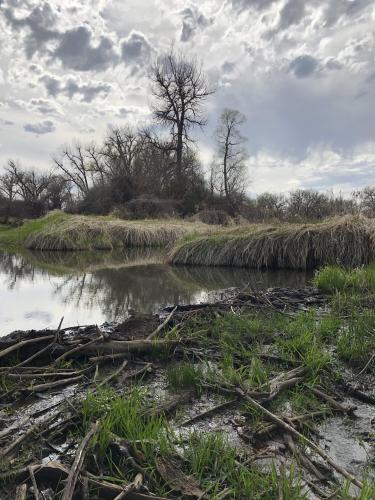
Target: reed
x: 347, y: 241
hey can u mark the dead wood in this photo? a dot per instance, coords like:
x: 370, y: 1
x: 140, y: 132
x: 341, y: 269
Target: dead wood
x: 300, y: 436
x: 128, y: 346
x: 160, y: 327
x: 176, y: 479
x: 332, y: 402
x: 169, y: 404
x: 33, y: 482
x: 107, y: 490
x: 113, y: 375
x: 24, y: 343
x: 302, y: 458
x: 296, y: 420
x: 210, y: 412
x: 78, y: 462
x: 108, y: 357
x: 45, y: 349
x: 52, y: 385
x: 21, y: 492
x: 75, y: 350
x: 357, y: 394
x: 133, y: 486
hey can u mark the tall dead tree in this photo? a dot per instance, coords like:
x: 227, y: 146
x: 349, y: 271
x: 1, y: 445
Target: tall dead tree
x: 230, y: 163
x: 180, y: 90
x: 76, y: 167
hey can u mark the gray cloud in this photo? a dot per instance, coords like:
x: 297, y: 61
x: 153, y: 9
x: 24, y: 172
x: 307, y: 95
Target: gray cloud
x: 292, y: 13
x: 43, y: 106
x: 38, y: 23
x: 76, y: 51
x: 246, y: 4
x: 136, y: 48
x: 192, y: 19
x: 303, y: 66
x: 71, y: 88
x: 45, y: 127
x: 335, y: 9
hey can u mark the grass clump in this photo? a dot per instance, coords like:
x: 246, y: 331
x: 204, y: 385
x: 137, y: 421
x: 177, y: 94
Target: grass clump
x: 212, y: 460
x: 348, y: 240
x: 185, y: 376
x: 333, y: 279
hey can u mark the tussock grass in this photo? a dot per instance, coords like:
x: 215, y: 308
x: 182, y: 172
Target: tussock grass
x: 105, y: 233
x: 348, y: 241
x: 332, y: 279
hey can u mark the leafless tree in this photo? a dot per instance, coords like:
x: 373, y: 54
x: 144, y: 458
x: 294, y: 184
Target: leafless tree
x: 270, y: 205
x: 231, y: 156
x: 30, y: 184
x: 121, y: 147
x: 180, y: 89
x: 8, y: 188
x: 77, y: 166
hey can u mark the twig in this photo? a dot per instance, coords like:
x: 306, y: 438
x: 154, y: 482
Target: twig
x: 209, y: 412
x: 297, y: 434
x: 80, y: 347
x: 160, y: 327
x: 51, y: 385
x: 78, y: 462
x: 35, y: 487
x: 114, y: 374
x: 335, y: 404
x: 367, y: 365
x: 23, y: 343
x: 134, y: 486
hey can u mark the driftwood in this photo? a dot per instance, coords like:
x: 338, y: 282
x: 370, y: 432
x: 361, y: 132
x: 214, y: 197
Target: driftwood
x: 52, y: 385
x: 128, y: 346
x: 78, y: 463
x: 295, y: 420
x: 303, y: 459
x: 109, y: 490
x: 21, y: 492
x: 75, y: 350
x: 33, y: 482
x: 300, y: 436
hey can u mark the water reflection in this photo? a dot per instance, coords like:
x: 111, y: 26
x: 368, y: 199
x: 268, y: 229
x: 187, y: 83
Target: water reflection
x: 93, y: 287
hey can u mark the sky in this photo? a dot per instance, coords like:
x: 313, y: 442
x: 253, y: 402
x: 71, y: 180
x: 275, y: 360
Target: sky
x: 303, y: 73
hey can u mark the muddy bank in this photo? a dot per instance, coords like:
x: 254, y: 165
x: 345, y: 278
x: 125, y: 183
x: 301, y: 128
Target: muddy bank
x: 230, y: 399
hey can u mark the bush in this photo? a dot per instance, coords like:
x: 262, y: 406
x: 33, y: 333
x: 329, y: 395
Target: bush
x: 19, y: 209
x: 148, y: 208
x: 214, y: 217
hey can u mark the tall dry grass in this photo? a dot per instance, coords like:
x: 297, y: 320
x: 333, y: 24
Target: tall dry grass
x: 85, y: 233
x: 347, y: 241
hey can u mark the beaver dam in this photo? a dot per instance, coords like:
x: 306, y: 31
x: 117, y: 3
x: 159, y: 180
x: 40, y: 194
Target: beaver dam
x: 266, y: 394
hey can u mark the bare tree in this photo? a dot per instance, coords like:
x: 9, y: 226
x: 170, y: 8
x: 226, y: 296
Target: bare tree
x: 8, y: 188
x: 121, y: 147
x: 77, y: 166
x: 180, y: 90
x: 30, y: 185
x: 231, y: 156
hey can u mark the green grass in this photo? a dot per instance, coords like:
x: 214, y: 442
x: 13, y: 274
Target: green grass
x: 331, y: 279
x: 184, y: 376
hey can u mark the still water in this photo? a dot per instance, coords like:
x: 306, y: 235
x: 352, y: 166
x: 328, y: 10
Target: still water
x: 37, y: 289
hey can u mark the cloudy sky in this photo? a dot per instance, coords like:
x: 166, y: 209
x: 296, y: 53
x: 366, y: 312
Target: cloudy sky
x: 302, y: 71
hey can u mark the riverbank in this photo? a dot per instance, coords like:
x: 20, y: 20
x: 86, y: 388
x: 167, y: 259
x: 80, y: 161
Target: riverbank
x: 348, y: 240
x: 252, y: 396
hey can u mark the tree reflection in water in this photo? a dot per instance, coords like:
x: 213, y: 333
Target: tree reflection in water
x: 114, y: 283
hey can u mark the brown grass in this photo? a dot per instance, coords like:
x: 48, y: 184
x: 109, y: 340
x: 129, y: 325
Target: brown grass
x: 87, y: 233
x: 348, y: 241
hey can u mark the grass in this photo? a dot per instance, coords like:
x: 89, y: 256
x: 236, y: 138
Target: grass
x: 60, y: 231
x: 348, y: 240
x: 331, y: 279
x: 184, y: 376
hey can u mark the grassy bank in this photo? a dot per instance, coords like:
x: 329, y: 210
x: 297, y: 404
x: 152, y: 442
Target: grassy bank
x: 348, y: 241
x: 60, y: 231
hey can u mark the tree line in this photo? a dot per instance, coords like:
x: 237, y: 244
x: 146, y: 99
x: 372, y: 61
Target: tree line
x: 154, y: 170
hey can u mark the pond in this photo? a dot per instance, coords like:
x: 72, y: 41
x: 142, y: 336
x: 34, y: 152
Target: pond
x: 37, y: 289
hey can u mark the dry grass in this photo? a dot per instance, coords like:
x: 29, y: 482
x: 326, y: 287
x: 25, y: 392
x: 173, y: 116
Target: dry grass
x: 347, y: 241
x: 100, y: 233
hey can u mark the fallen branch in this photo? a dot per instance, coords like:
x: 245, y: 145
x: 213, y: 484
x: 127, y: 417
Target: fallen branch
x: 23, y: 343
x: 114, y: 374
x: 134, y: 486
x: 52, y: 385
x: 21, y: 492
x: 35, y: 487
x: 303, y: 459
x: 160, y: 327
x: 300, y: 436
x: 210, y: 412
x: 79, y: 348
x: 127, y: 346
x: 78, y: 462
x: 332, y: 402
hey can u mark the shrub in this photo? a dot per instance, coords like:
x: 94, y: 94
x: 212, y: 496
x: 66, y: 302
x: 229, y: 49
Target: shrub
x: 214, y: 217
x: 149, y: 208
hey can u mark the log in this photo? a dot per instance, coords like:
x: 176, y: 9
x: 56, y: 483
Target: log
x: 79, y: 348
x: 78, y: 462
x: 129, y: 346
x: 303, y: 438
x: 52, y: 385
x: 24, y: 343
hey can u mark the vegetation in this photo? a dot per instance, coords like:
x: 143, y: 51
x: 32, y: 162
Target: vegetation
x: 348, y: 240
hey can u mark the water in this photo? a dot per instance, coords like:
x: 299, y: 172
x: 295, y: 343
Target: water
x: 37, y: 289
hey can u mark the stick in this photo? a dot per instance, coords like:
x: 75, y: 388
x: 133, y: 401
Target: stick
x: 209, y: 412
x: 125, y: 346
x: 367, y: 365
x: 80, y: 347
x: 114, y: 374
x: 160, y: 327
x: 107, y: 357
x: 31, y: 358
x: 335, y: 404
x: 78, y: 462
x: 134, y: 486
x: 298, y: 435
x: 35, y: 487
x: 21, y: 492
x: 51, y: 385
x: 296, y: 420
x: 303, y: 459
x: 23, y: 343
